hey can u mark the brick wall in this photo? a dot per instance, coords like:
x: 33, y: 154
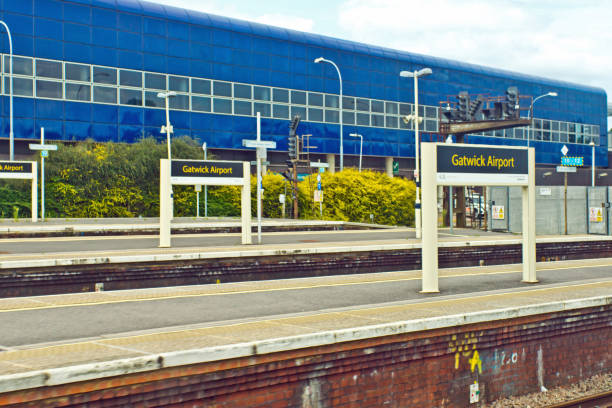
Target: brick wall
x: 424, y: 369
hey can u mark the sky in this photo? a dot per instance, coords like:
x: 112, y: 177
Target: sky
x: 569, y: 40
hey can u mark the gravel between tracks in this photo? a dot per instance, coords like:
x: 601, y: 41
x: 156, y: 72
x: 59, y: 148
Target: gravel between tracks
x: 594, y: 385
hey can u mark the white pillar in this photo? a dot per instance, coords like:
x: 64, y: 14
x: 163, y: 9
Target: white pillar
x: 529, y: 223
x: 246, y: 205
x: 165, y: 203
x: 429, y: 238
x: 331, y: 160
x: 389, y: 166
x: 34, y: 192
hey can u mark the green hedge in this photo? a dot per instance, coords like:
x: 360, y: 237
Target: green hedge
x: 89, y: 180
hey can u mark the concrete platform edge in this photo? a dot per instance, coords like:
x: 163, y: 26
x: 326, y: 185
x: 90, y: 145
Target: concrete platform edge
x: 182, y: 254
x: 70, y: 374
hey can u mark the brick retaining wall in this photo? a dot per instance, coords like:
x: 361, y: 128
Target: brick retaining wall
x: 419, y: 369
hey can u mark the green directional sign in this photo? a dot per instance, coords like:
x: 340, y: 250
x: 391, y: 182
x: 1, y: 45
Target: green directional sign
x: 395, y: 167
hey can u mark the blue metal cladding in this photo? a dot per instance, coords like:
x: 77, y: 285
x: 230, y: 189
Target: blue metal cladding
x: 146, y: 36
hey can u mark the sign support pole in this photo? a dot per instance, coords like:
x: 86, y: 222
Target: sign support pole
x: 529, y: 225
x: 246, y: 205
x: 34, y: 192
x: 165, y: 204
x: 429, y: 224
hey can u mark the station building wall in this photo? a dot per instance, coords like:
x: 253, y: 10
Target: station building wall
x: 91, y: 69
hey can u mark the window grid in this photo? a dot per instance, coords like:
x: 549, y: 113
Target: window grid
x: 380, y: 113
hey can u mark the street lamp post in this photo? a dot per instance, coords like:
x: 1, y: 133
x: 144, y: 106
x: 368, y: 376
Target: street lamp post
x: 592, y: 144
x: 321, y: 59
x: 530, y: 130
x: 360, y: 147
x: 417, y: 202
x: 168, y: 128
x: 11, y: 137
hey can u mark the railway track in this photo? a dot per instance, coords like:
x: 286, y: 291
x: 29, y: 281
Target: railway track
x: 600, y: 400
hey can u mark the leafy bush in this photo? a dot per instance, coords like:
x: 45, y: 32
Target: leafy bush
x: 90, y: 179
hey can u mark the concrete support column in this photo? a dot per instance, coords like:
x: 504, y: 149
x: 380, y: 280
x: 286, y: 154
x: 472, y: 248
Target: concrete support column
x: 389, y: 166
x: 331, y: 160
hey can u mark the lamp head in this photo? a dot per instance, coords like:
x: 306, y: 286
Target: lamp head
x: 406, y: 74
x: 320, y: 59
x: 424, y: 71
x: 552, y: 94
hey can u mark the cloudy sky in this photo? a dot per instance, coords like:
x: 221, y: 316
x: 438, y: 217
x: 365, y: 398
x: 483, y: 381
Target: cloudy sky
x: 564, y: 39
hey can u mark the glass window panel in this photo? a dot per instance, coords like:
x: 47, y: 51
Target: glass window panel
x: 280, y: 111
x: 49, y: 69
x: 431, y: 112
x: 222, y: 88
x: 332, y: 116
x: 179, y: 102
x: 21, y: 65
x: 391, y: 122
x: 242, y: 91
x: 596, y: 140
x: 281, y: 95
x: 77, y: 72
x: 421, y: 111
x: 378, y: 107
x: 315, y: 114
x: 130, y: 78
x: 155, y: 81
x: 596, y: 130
x: 178, y: 84
x: 200, y: 86
x: 154, y: 101
x: 48, y: 89
x: 264, y: 108
x: 555, y: 125
x: 102, y: 75
x: 315, y: 99
x: 363, y: 119
x: 200, y: 104
x: 563, y: 126
x: 21, y: 86
x: 572, y: 138
x: 405, y: 109
x: 378, y: 120
x: 78, y: 92
x: 546, y: 124
x: 262, y: 93
x: 563, y: 137
x: 222, y: 105
x: 391, y: 108
x: 332, y: 101
x: 519, y: 133
x: 242, y: 107
x: 348, y: 102
x: 554, y: 136
x: 431, y: 125
x: 572, y: 127
x: 498, y: 133
x: 298, y: 97
x: 579, y: 138
x: 105, y: 94
x: 131, y: 97
x: 509, y: 133
x: 297, y: 110
x: 363, y: 105
x: 348, y: 118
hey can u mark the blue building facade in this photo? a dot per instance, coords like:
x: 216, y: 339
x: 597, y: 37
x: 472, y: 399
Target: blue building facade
x: 91, y: 69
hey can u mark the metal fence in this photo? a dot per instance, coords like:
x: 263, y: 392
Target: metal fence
x: 585, y: 210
